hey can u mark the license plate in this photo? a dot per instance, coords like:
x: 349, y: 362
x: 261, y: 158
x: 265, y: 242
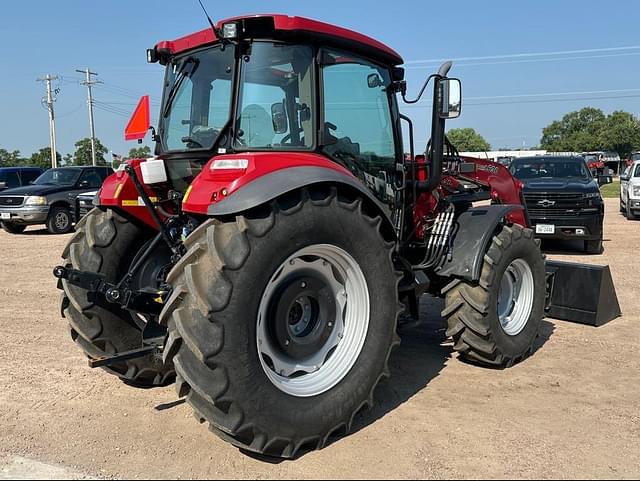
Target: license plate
x: 545, y: 229
x: 5, y: 216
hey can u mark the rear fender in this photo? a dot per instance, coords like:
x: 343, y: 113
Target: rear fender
x: 471, y: 242
x: 267, y: 177
x: 118, y: 192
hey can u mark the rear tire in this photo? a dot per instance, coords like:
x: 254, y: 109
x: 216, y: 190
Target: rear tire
x: 59, y: 221
x: 219, y: 330
x: 13, y: 228
x: 593, y: 247
x: 103, y: 243
x: 496, y: 321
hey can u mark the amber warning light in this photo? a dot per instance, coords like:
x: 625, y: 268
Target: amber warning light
x: 140, y: 121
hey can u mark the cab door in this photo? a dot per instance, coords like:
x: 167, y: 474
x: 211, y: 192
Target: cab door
x: 358, y: 127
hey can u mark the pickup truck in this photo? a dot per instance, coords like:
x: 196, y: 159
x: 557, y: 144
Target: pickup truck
x: 563, y: 199
x: 50, y: 199
x: 630, y: 191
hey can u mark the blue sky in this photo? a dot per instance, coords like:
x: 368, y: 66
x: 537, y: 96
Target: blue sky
x: 41, y: 37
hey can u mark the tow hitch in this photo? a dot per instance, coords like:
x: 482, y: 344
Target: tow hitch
x: 148, y: 302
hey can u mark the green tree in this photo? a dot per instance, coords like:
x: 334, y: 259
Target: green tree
x: 620, y: 133
x: 139, y: 152
x: 82, y: 155
x: 576, y: 132
x: 10, y: 159
x: 468, y: 140
x: 42, y: 158
x: 67, y: 159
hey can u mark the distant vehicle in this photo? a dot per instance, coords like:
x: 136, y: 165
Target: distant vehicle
x: 505, y: 160
x: 599, y: 162
x: 563, y: 199
x: 12, y: 177
x: 50, y: 199
x: 630, y: 191
x: 632, y: 158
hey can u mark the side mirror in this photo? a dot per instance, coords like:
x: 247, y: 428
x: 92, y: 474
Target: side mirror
x: 3, y: 185
x: 624, y: 178
x: 451, y: 98
x: 84, y: 183
x: 605, y: 179
x: 140, y: 121
x: 374, y: 81
x: 279, y: 118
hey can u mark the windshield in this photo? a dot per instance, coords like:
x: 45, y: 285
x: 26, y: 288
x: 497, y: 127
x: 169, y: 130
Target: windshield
x: 197, y: 100
x: 549, y: 169
x: 59, y: 177
x: 635, y: 156
x: 637, y: 174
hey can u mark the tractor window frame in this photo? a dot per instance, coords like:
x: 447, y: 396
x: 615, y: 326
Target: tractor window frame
x: 313, y: 85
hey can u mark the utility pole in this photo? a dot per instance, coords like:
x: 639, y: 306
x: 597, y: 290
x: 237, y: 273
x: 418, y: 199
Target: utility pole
x: 90, y: 83
x: 52, y: 119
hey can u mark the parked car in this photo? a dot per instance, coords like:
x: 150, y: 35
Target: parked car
x: 632, y: 158
x: 84, y: 203
x: 630, y: 191
x: 563, y: 199
x: 50, y: 200
x: 12, y: 177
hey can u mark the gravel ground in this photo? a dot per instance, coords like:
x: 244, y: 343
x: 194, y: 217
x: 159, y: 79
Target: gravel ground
x: 571, y: 410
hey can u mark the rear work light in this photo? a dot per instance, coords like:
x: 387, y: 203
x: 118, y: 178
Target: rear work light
x: 229, y: 164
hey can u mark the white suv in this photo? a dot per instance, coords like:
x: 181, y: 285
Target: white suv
x: 630, y: 191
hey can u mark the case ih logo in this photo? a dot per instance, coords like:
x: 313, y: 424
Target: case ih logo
x: 546, y: 203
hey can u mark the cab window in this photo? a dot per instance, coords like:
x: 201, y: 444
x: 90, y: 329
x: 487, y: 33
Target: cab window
x: 10, y: 178
x: 90, y: 179
x: 358, y: 127
x: 276, y: 100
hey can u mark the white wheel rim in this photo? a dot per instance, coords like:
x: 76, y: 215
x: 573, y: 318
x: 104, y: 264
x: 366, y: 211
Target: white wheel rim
x: 515, y: 298
x: 348, y: 326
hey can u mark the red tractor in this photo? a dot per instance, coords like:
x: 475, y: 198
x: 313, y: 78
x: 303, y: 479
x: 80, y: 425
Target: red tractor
x: 263, y: 257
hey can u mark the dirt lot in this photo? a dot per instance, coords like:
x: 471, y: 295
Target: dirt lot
x: 571, y: 410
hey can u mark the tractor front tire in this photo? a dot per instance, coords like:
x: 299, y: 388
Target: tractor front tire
x: 496, y: 321
x: 103, y: 243
x: 282, y: 322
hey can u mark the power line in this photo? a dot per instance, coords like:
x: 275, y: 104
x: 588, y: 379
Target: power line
x: 527, y: 54
x: 535, y: 60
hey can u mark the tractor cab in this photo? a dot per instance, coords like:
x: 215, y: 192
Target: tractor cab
x: 267, y: 84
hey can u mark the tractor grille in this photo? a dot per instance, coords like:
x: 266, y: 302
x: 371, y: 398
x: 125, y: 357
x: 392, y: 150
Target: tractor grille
x: 554, y: 205
x: 11, y: 201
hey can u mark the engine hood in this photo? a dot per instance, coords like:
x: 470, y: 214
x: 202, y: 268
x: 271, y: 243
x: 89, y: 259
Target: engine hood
x: 44, y: 189
x: 561, y: 185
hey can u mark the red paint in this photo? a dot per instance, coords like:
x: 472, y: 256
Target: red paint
x: 207, y: 188
x: 504, y: 188
x: 140, y: 122
x: 282, y: 23
x: 128, y: 192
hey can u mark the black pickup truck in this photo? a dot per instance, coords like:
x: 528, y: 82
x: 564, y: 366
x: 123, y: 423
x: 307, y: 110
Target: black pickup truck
x: 50, y: 199
x: 563, y: 200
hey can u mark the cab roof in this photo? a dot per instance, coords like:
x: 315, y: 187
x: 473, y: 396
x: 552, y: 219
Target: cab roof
x: 283, y: 27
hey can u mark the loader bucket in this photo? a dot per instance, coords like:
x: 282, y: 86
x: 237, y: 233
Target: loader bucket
x: 581, y: 293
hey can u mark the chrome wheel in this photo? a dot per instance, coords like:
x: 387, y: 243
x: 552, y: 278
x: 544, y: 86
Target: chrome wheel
x: 62, y: 221
x: 313, y: 320
x: 515, y: 298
